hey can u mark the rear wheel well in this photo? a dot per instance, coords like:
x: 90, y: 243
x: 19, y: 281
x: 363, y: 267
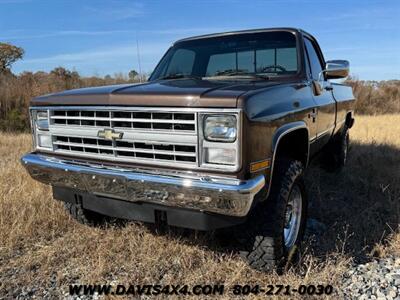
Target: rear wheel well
x: 294, y: 145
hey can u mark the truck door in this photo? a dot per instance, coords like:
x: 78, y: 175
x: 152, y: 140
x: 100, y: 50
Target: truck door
x: 325, y: 112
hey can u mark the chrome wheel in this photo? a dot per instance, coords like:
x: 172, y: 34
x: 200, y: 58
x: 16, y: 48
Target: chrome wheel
x: 293, y: 217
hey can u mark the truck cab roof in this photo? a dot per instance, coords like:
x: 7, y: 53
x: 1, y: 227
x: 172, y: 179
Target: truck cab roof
x: 247, y: 31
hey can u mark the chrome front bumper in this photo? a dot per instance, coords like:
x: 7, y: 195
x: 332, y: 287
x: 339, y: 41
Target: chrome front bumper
x: 226, y: 196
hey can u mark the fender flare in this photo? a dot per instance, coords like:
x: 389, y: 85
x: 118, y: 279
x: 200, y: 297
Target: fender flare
x: 278, y: 135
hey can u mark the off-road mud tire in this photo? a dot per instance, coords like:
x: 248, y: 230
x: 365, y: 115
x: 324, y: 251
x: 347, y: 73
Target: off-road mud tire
x: 262, y: 236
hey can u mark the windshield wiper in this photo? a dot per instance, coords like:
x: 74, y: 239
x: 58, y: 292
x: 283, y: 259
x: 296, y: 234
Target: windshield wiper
x: 179, y: 75
x: 232, y: 73
x: 262, y: 76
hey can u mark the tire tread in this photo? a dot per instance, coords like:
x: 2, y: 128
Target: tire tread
x: 265, y: 248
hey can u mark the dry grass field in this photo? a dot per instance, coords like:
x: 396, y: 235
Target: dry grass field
x: 43, y: 250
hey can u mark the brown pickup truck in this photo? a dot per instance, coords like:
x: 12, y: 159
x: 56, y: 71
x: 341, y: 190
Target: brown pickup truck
x: 220, y: 135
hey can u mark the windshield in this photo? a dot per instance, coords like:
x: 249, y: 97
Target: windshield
x: 269, y: 53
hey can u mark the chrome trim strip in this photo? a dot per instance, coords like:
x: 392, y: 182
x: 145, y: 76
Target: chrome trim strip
x: 285, y: 129
x: 124, y: 120
x: 138, y: 108
x: 332, y: 128
x: 319, y: 134
x: 129, y: 135
x: 222, y: 196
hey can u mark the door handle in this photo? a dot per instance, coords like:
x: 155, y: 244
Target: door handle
x: 313, y: 114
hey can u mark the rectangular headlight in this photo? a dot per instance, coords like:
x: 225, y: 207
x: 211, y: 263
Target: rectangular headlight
x: 220, y: 128
x: 41, y: 119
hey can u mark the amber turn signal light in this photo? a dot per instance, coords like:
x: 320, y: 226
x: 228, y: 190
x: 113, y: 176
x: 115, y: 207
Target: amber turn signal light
x: 260, y: 165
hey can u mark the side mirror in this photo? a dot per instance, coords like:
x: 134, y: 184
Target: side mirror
x: 335, y: 69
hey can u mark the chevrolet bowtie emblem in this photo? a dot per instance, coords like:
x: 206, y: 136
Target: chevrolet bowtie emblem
x: 110, y: 134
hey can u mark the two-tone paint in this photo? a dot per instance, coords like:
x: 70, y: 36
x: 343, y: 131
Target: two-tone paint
x: 295, y: 112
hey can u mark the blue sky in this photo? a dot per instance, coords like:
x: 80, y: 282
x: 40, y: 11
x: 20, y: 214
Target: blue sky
x: 98, y: 37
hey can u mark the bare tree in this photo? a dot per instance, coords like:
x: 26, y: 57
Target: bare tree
x: 8, y: 55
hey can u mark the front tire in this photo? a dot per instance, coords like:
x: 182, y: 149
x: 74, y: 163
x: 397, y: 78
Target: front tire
x: 275, y: 228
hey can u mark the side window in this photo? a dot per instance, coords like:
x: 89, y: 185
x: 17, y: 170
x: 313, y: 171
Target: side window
x: 182, y: 62
x: 313, y: 59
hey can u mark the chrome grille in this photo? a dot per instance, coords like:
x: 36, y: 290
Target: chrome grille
x: 149, y: 136
x: 124, y: 149
x: 171, y: 121
x: 157, y: 136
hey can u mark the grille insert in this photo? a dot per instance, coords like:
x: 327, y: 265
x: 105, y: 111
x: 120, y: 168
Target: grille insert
x: 157, y: 121
x: 125, y: 149
x: 150, y: 136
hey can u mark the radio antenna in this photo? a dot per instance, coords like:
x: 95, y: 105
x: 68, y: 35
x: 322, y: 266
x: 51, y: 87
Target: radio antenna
x: 138, y: 58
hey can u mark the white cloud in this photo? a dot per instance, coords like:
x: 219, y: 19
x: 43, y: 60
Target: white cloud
x: 125, y: 11
x: 59, y: 33
x: 99, y: 61
x: 16, y: 35
x: 111, y: 53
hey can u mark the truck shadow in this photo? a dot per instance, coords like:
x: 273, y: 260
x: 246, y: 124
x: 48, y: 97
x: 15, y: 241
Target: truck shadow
x: 354, y: 209
x: 359, y: 206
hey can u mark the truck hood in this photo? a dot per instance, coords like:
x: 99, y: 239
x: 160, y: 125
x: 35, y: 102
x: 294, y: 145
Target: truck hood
x: 177, y: 93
